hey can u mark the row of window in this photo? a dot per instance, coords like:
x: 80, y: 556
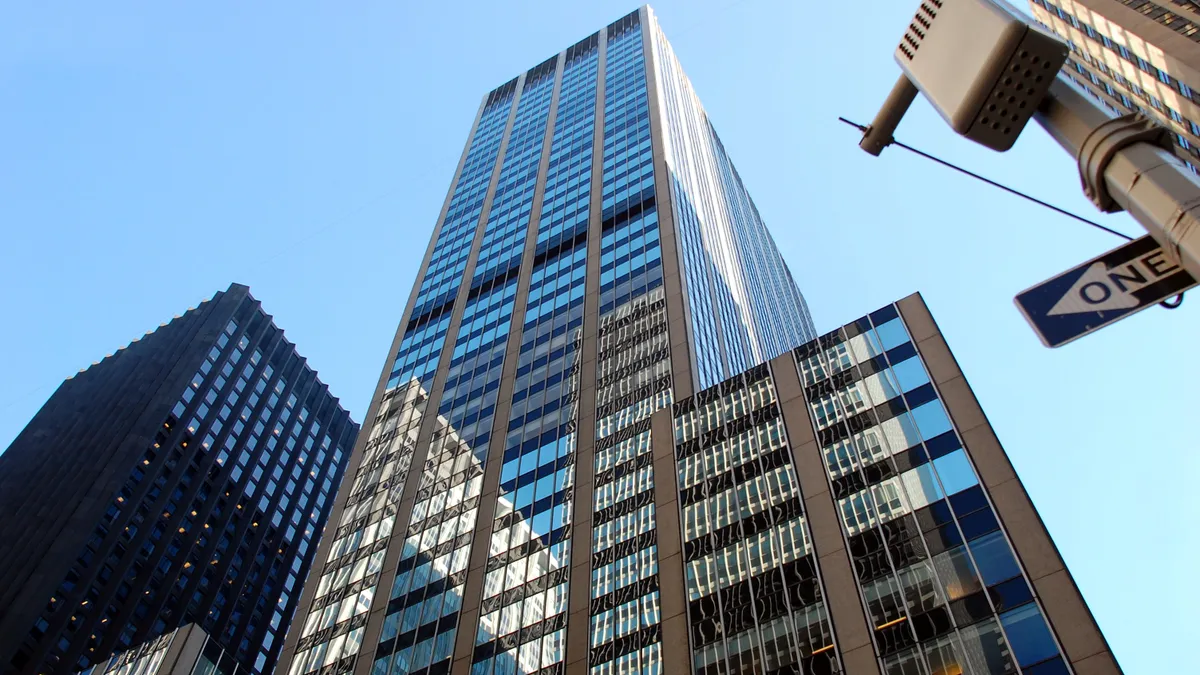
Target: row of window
x: 754, y: 601
x: 348, y: 582
x: 457, y: 232
x: 625, y: 625
x: 530, y: 546
x: 938, y: 578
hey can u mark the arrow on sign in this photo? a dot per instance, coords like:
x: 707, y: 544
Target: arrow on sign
x: 1102, y: 290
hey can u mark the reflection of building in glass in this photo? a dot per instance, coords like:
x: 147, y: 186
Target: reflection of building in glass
x: 181, y: 480
x: 184, y: 651
x: 1135, y: 56
x: 754, y: 596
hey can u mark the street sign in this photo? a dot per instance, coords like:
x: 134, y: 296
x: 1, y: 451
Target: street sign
x: 1101, y: 291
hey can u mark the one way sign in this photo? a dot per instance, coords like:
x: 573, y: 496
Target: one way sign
x: 1102, y: 290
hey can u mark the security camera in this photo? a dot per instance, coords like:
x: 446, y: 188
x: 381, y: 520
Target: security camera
x: 981, y: 64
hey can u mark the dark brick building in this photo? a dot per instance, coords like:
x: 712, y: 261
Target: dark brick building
x: 183, y: 479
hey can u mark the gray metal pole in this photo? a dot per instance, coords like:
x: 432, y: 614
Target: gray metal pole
x: 1123, y: 165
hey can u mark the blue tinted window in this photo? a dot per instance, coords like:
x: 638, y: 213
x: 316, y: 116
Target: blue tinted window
x: 892, y: 334
x: 993, y: 558
x: 955, y: 471
x: 1028, y: 635
x: 910, y: 374
x: 931, y: 419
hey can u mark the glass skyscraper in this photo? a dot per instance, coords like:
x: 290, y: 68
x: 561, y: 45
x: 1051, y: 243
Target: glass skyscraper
x: 520, y: 500
x: 597, y: 258
x: 184, y: 478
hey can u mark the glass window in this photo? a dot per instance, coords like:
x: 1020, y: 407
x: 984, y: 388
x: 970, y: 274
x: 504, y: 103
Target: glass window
x: 403, y: 660
x: 994, y: 558
x: 943, y: 655
x: 892, y: 334
x: 920, y: 588
x: 985, y: 648
x: 334, y: 652
x: 1027, y: 633
x: 379, y: 667
x: 910, y: 374
x: 390, y: 626
x: 956, y: 572
x: 883, y: 601
x: 931, y: 419
x: 905, y: 663
x: 921, y: 486
x: 955, y: 472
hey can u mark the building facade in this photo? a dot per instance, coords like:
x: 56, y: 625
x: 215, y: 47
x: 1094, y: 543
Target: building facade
x: 1135, y: 56
x: 847, y: 508
x: 597, y: 258
x: 183, y: 479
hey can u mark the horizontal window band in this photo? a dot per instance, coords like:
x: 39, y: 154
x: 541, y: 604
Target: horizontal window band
x: 624, y: 548
x: 622, y: 595
x: 741, y: 474
x: 513, y: 640
x: 742, y: 529
x: 625, y: 644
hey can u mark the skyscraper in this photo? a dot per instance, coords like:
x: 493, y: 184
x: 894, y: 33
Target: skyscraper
x: 597, y: 257
x: 523, y: 498
x: 182, y: 479
x: 1136, y: 56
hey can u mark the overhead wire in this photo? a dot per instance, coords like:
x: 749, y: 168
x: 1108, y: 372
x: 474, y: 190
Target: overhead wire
x: 1178, y: 300
x: 993, y: 183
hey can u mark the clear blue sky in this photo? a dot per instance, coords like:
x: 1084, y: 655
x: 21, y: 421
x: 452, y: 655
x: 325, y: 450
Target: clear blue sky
x: 152, y: 153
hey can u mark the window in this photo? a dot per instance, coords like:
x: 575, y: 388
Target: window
x: 931, y: 419
x: 1027, y: 633
x: 993, y: 558
x: 955, y: 472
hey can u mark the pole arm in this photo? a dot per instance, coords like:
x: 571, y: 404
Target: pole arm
x: 879, y: 135
x: 1126, y: 163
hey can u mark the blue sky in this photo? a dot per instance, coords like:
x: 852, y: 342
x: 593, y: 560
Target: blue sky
x: 152, y: 153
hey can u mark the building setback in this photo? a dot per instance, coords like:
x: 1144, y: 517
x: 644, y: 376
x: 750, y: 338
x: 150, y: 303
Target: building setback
x: 1135, y: 56
x: 182, y: 479
x: 514, y: 503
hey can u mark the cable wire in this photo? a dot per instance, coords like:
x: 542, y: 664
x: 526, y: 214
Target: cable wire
x: 993, y: 183
x: 1178, y: 300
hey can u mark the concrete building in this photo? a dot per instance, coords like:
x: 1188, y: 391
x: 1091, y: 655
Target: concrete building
x: 1136, y: 56
x: 184, y: 478
x: 524, y: 497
